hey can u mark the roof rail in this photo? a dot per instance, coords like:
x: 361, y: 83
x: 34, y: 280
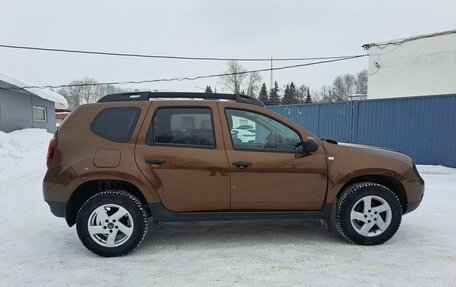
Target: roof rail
x: 146, y: 96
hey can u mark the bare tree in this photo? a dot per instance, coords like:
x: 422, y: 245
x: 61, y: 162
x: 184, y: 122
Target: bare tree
x: 327, y: 94
x: 82, y: 91
x: 253, y: 84
x: 235, y: 77
x: 316, y: 97
x: 91, y: 91
x: 301, y: 93
x: 71, y: 95
x: 344, y: 86
x: 361, y: 82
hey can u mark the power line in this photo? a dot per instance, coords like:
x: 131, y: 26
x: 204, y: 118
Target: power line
x: 400, y: 42
x: 190, y: 78
x: 168, y: 56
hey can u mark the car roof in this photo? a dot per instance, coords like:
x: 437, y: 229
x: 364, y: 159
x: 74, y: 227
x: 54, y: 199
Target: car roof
x: 149, y: 96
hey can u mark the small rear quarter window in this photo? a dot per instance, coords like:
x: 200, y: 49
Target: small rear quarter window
x: 116, y: 124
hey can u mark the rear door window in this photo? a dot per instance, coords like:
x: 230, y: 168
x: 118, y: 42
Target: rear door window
x: 186, y: 127
x: 116, y: 124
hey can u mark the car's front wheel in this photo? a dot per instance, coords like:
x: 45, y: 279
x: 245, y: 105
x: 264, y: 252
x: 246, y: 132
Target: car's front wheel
x: 368, y: 213
x: 112, y: 223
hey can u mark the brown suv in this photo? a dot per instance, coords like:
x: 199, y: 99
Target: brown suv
x: 132, y: 157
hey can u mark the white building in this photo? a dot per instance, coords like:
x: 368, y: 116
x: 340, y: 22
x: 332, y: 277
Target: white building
x: 417, y: 66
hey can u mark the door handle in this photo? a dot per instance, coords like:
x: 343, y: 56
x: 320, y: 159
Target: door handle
x: 242, y: 164
x: 155, y: 161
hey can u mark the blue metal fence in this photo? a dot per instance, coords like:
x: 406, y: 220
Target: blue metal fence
x: 422, y: 127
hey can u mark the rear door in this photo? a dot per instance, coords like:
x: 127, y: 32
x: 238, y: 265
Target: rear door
x: 182, y: 153
x: 268, y: 169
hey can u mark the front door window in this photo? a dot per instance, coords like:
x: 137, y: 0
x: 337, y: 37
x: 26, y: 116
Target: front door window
x: 254, y: 131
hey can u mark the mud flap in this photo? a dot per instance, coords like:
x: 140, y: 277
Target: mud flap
x: 329, y: 223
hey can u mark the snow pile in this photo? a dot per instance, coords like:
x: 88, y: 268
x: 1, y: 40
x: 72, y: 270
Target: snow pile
x: 25, y: 148
x: 42, y: 93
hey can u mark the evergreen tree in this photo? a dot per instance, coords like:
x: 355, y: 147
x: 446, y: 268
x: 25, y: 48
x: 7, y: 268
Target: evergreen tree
x: 290, y: 96
x: 263, y: 96
x: 208, y: 90
x: 293, y: 94
x: 286, y: 100
x: 308, y: 97
x: 274, y: 97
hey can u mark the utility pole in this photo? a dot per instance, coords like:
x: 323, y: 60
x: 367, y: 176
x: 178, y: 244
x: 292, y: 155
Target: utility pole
x: 272, y: 78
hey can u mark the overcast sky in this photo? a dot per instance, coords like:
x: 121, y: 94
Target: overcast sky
x: 234, y: 28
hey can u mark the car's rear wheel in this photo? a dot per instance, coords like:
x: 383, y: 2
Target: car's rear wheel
x: 368, y: 213
x: 112, y: 223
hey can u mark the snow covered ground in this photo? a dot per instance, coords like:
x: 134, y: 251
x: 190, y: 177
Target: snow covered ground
x: 39, y: 249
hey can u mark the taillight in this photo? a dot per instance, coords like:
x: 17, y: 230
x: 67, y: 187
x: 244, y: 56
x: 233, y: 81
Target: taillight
x: 51, y: 151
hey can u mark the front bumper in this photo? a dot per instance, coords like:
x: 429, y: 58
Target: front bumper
x: 411, y: 206
x: 418, y: 191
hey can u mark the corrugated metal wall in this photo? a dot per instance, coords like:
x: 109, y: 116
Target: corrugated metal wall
x: 422, y: 127
x: 324, y: 120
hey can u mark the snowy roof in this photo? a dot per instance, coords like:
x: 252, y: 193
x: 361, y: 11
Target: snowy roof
x: 42, y: 93
x: 403, y: 40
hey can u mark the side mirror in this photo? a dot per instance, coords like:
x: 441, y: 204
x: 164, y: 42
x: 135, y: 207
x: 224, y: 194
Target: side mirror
x: 311, y: 145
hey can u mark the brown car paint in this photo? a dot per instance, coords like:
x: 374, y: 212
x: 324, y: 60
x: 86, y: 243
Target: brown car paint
x: 353, y: 161
x: 193, y: 178
x: 204, y: 179
x: 262, y: 186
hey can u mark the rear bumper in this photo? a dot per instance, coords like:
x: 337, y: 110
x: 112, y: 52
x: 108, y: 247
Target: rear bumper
x: 57, y: 208
x: 58, y: 184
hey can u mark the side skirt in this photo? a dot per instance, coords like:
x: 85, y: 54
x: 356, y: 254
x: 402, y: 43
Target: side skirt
x: 161, y: 214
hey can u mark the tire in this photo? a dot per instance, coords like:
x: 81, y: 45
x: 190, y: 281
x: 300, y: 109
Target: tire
x: 368, y: 214
x: 112, y: 223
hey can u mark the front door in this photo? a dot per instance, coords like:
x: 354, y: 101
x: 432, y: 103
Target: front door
x: 269, y: 171
x: 182, y: 154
